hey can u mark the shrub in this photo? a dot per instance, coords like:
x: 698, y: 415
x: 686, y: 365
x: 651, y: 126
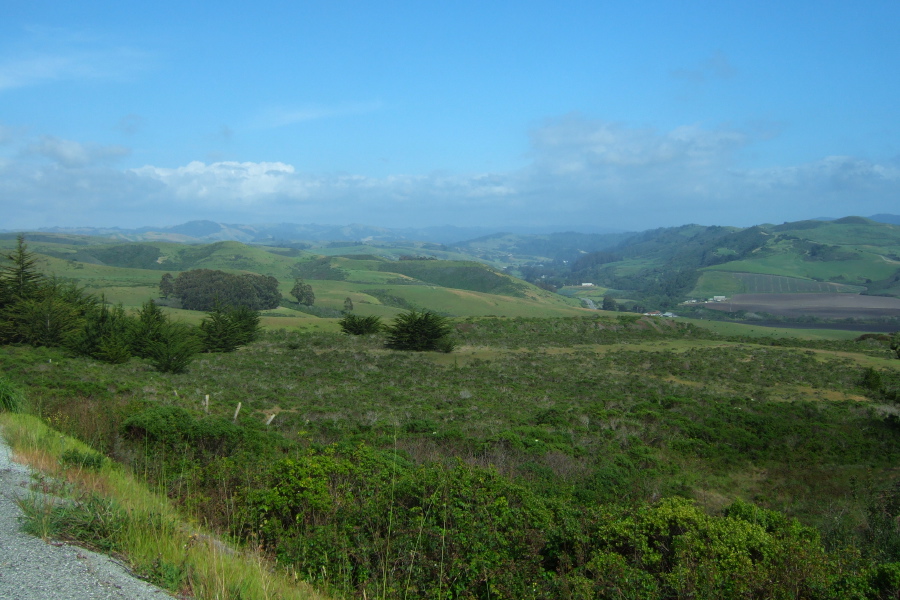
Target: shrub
x: 420, y: 331
x: 104, y: 335
x: 226, y: 329
x: 356, y: 325
x: 176, y: 429
x: 174, y: 349
x: 147, y: 328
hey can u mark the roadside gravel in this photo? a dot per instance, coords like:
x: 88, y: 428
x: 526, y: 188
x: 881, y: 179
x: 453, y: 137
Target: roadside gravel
x: 31, y: 569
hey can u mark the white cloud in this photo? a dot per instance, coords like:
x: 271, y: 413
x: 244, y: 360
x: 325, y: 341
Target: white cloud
x: 583, y: 173
x: 233, y: 182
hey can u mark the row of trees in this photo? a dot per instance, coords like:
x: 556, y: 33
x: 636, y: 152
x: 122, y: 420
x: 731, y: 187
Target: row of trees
x: 203, y: 289
x: 44, y: 311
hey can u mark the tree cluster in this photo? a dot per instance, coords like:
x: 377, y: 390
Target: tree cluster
x: 303, y: 292
x: 204, y: 289
x: 44, y: 311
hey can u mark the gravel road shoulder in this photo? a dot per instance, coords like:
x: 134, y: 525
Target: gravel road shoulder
x: 31, y: 569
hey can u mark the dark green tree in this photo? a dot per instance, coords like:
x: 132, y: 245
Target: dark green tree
x: 21, y: 279
x: 47, y: 316
x: 105, y: 334
x: 246, y: 321
x: 147, y: 328
x: 303, y: 292
x: 175, y: 347
x: 609, y: 303
x: 201, y: 289
x: 166, y: 285
x: 895, y: 345
x: 348, y: 305
x: 225, y: 329
x: 218, y: 332
x: 420, y: 331
x: 356, y: 325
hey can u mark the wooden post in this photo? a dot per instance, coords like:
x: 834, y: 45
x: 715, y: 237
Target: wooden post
x: 206, y: 404
x: 236, y: 411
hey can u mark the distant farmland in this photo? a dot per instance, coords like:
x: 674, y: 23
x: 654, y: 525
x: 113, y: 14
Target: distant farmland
x: 825, y: 306
x: 755, y: 283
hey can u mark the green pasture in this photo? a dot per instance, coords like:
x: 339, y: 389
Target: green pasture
x: 593, y: 292
x: 716, y: 283
x: 723, y: 283
x: 792, y: 265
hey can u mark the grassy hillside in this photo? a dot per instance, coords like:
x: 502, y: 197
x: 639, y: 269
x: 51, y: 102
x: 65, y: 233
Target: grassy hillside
x: 660, y: 268
x: 130, y: 274
x: 652, y: 269
x: 509, y: 248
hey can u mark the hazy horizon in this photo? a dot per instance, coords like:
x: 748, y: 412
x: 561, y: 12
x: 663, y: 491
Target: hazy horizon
x: 580, y: 115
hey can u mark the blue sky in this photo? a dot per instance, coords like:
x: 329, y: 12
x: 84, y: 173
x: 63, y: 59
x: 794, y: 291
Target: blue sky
x: 560, y: 115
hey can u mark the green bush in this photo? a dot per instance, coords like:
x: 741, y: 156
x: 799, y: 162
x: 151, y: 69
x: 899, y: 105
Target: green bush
x: 176, y: 429
x: 356, y: 325
x: 105, y: 334
x: 225, y: 329
x: 174, y: 349
x: 420, y: 331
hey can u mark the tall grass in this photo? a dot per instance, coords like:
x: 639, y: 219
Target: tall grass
x: 107, y: 509
x: 12, y: 399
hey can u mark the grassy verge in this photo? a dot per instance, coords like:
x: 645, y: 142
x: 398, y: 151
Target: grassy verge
x: 104, y: 508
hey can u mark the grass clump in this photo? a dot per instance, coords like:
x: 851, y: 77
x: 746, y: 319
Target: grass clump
x: 12, y: 399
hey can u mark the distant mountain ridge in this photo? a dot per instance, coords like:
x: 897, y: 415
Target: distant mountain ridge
x: 206, y: 231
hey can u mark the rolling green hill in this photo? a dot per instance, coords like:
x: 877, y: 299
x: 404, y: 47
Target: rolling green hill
x: 129, y: 273
x: 653, y: 269
x: 665, y: 266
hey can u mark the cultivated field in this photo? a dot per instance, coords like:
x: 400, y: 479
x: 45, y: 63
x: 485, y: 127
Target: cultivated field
x: 755, y: 283
x: 826, y: 306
